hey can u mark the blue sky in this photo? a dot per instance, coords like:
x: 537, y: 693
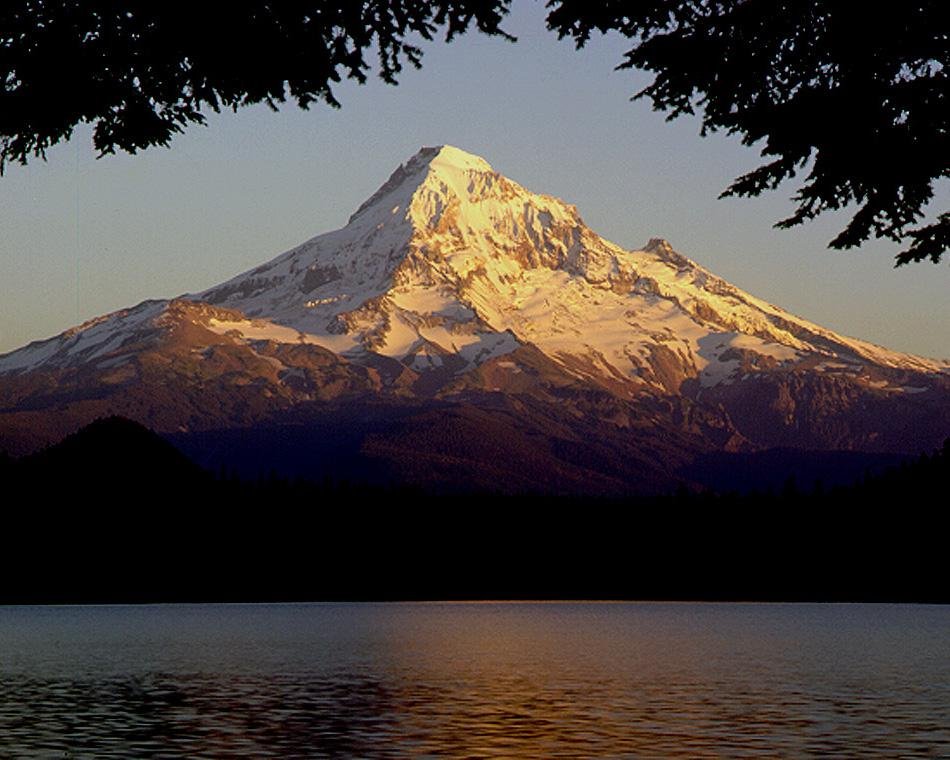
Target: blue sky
x: 81, y: 236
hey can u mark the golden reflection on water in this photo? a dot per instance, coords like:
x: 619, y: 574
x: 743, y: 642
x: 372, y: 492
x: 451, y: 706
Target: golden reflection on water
x: 476, y: 681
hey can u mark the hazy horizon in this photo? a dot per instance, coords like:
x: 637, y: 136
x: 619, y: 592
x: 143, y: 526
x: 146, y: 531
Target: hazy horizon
x: 83, y: 237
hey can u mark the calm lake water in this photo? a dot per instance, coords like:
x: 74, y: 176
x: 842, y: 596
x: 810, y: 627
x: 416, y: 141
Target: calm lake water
x: 474, y: 680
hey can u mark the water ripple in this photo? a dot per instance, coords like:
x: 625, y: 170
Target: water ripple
x: 550, y: 681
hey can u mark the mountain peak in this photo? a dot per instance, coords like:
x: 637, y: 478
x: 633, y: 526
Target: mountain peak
x: 658, y: 244
x: 450, y: 157
x: 456, y: 283
x: 450, y: 258
x: 446, y: 162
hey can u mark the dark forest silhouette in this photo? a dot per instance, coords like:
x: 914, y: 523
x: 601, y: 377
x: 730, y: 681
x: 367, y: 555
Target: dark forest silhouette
x: 115, y: 513
x: 854, y: 94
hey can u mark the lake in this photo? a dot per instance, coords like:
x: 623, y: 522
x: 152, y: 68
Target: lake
x: 537, y: 680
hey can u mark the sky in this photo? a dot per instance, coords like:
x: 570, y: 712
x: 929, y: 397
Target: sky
x: 81, y: 236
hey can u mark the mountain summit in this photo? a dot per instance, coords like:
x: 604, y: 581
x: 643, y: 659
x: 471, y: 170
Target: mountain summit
x: 453, y: 283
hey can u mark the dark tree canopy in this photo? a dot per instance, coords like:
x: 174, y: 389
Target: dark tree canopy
x: 141, y: 70
x: 856, y: 93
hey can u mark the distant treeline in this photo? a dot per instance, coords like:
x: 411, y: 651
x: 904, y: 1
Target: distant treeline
x: 116, y: 514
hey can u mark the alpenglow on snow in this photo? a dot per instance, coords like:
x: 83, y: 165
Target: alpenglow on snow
x: 450, y: 258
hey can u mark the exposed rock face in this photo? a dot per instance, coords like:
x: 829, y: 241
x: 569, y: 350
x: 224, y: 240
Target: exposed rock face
x: 455, y: 285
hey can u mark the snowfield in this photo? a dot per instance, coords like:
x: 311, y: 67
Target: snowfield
x: 449, y: 257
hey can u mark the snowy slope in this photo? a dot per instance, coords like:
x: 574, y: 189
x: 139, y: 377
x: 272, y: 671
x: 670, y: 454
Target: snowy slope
x: 451, y: 260
x: 450, y: 255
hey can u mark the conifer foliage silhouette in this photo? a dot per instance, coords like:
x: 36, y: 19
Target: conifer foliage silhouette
x: 855, y: 95
x: 141, y: 71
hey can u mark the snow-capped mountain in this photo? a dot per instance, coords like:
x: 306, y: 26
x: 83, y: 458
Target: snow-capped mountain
x: 453, y: 280
x: 449, y: 257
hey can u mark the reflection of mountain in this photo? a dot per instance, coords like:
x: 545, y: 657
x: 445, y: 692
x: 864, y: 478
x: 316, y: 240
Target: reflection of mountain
x: 490, y: 680
x: 463, y: 330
